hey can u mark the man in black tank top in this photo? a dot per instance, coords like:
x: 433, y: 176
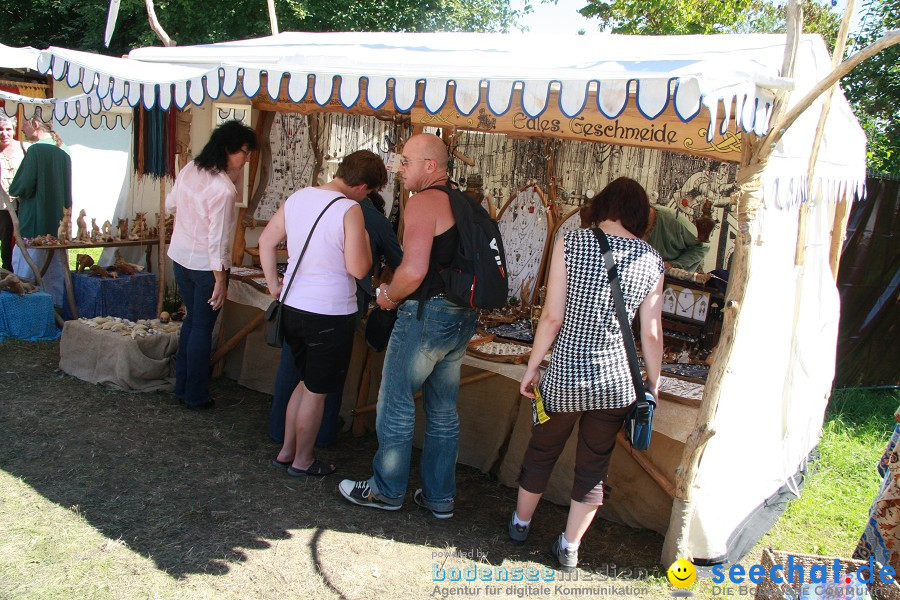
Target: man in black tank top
x: 425, y: 351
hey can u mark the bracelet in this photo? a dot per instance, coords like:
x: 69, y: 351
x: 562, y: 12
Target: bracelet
x: 388, y: 298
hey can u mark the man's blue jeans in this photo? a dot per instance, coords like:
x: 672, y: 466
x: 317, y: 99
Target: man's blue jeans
x: 195, y: 340
x: 423, y: 354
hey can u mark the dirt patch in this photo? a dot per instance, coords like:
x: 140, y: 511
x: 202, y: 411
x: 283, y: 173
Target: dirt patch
x: 116, y: 494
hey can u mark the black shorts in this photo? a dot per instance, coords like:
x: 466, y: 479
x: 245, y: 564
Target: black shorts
x: 321, y: 345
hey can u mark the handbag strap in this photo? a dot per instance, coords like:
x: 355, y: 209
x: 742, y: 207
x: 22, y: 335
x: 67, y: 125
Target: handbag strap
x: 306, y: 245
x: 619, y: 301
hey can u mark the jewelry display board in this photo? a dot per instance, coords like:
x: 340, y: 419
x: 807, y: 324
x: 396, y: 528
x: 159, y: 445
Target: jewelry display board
x: 524, y: 226
x: 291, y: 162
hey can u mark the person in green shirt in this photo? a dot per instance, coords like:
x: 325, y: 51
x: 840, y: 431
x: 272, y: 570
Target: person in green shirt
x: 43, y: 185
x: 675, y: 238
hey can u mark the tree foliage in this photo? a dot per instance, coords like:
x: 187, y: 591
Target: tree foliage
x: 873, y: 87
x: 80, y: 24
x: 691, y: 17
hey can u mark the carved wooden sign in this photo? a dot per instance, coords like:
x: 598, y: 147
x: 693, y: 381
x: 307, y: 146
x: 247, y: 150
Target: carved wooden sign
x: 666, y: 132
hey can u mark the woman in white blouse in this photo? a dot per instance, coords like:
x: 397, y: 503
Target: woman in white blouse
x: 203, y: 201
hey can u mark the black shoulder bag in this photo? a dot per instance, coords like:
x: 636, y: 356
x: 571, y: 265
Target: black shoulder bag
x: 639, y: 422
x: 274, y: 329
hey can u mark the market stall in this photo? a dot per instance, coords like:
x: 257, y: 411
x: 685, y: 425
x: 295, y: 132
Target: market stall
x: 544, y: 129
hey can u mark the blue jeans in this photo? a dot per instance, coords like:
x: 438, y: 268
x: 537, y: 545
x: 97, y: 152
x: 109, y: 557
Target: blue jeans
x: 423, y: 354
x: 195, y: 341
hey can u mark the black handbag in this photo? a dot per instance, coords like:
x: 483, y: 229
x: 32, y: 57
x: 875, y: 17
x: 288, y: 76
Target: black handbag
x: 639, y: 421
x: 274, y: 328
x: 379, y: 325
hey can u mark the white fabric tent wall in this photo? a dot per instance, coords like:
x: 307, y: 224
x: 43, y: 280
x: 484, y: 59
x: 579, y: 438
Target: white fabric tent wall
x: 774, y: 394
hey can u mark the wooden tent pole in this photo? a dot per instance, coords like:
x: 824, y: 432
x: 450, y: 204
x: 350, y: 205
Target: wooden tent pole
x: 161, y: 249
x: 748, y: 202
x: 645, y: 463
x: 838, y: 232
x: 839, y: 46
x: 257, y: 159
x: 273, y: 18
x: 781, y: 125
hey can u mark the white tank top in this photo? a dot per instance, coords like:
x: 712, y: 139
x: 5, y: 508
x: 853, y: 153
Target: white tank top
x: 322, y: 285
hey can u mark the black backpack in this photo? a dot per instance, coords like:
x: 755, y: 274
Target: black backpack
x: 477, y: 277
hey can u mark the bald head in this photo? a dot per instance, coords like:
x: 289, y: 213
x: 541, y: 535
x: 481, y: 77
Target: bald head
x: 428, y: 145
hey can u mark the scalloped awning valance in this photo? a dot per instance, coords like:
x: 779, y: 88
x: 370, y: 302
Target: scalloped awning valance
x: 733, y: 76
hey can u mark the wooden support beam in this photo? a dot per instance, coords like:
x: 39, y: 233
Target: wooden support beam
x: 838, y: 231
x: 368, y: 408
x: 67, y: 279
x: 645, y: 463
x: 362, y: 396
x: 840, y: 44
x: 161, y: 250
x: 781, y: 125
x: 219, y: 366
x: 228, y: 346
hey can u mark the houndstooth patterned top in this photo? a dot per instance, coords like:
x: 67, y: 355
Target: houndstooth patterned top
x: 589, y: 367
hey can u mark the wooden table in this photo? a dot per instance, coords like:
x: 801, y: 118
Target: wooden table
x: 70, y: 291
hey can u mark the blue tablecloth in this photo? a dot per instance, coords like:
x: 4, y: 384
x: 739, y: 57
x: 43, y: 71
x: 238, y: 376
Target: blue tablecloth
x: 131, y: 297
x: 29, y: 317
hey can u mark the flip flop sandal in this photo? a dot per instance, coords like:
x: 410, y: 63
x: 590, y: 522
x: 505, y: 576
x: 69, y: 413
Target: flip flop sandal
x: 316, y: 469
x: 281, y: 465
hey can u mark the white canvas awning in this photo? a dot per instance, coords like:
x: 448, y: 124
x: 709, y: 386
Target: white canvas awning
x: 18, y: 58
x: 718, y: 72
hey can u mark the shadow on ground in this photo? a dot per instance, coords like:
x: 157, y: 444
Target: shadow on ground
x: 194, y: 490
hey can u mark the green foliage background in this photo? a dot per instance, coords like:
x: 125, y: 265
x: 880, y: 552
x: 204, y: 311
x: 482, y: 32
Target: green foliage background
x: 873, y: 87
x: 80, y: 24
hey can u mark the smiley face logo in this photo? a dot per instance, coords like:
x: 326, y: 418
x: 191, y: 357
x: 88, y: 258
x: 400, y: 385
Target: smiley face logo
x: 682, y: 573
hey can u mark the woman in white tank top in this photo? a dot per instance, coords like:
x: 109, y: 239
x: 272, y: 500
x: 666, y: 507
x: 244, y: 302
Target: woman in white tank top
x: 319, y: 308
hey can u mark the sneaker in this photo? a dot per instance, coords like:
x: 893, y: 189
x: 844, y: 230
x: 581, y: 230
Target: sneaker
x: 518, y: 533
x: 359, y: 492
x: 419, y: 497
x: 568, y: 558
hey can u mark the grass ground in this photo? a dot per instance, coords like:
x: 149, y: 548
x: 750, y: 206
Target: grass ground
x: 94, y: 253
x: 106, y: 494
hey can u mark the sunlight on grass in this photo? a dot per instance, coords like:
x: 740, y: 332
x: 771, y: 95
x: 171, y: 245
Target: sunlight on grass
x: 830, y: 515
x: 51, y: 551
x: 92, y: 252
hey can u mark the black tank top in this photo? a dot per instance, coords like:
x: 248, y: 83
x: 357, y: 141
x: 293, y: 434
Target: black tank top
x: 443, y: 249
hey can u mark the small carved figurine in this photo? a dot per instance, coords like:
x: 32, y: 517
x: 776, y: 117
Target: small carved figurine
x: 64, y: 234
x: 138, y: 227
x: 107, y: 235
x: 123, y: 229
x: 82, y: 233
x: 16, y: 285
x: 98, y: 271
x: 126, y: 268
x: 95, y: 231
x: 82, y: 262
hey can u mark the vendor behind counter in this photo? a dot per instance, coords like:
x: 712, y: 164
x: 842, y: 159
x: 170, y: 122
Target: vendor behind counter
x: 674, y: 236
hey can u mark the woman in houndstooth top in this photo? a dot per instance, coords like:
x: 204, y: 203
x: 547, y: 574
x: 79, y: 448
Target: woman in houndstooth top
x: 589, y: 381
